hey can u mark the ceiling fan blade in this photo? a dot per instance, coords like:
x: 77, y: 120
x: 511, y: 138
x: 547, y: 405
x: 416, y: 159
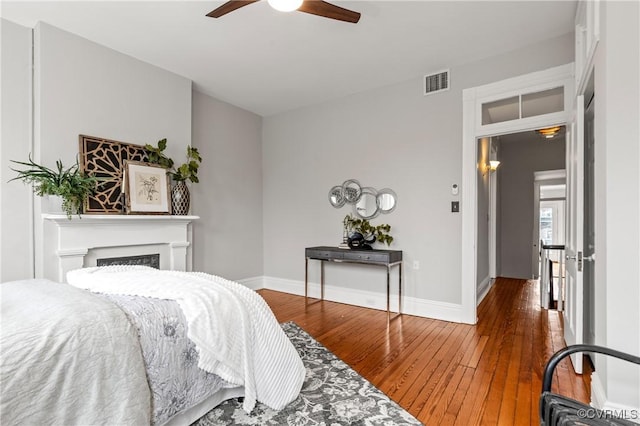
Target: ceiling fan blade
x: 229, y: 6
x: 328, y: 10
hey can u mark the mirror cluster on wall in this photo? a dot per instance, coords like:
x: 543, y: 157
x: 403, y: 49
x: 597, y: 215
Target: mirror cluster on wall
x: 367, y: 202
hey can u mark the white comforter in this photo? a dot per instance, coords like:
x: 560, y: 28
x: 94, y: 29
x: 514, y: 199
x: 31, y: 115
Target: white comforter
x: 235, y: 332
x: 60, y: 365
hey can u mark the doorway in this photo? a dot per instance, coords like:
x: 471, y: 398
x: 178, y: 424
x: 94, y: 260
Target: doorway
x: 549, y: 237
x: 509, y: 192
x: 549, y: 212
x: 536, y: 100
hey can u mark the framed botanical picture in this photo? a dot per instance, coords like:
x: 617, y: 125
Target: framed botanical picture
x: 146, y: 188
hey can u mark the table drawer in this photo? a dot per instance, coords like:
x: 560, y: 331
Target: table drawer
x: 368, y: 257
x: 323, y: 254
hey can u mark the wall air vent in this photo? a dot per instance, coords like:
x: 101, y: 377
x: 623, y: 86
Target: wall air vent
x: 436, y: 82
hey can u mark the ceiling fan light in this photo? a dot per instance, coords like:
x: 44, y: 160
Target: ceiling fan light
x: 285, y: 5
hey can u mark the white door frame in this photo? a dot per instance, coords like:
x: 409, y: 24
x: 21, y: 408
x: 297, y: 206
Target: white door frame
x: 493, y: 210
x: 540, y: 178
x: 473, y: 98
x: 573, y: 314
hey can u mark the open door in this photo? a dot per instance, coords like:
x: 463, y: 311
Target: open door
x: 573, y: 313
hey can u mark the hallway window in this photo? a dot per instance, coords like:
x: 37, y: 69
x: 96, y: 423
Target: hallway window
x: 546, y: 225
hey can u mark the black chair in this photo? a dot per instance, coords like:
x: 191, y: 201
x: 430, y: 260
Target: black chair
x: 560, y: 410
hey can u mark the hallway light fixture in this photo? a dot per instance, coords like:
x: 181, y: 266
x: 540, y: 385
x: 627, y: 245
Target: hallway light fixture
x: 549, y: 132
x: 491, y: 167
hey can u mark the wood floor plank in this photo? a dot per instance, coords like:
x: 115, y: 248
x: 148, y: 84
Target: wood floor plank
x: 447, y: 373
x: 415, y: 370
x: 461, y: 394
x: 474, y: 357
x: 446, y: 365
x: 437, y: 402
x: 406, y: 334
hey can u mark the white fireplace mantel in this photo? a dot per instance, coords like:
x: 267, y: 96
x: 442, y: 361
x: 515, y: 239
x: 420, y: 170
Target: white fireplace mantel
x: 66, y: 242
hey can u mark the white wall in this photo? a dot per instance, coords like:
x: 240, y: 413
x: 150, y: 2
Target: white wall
x: 617, y: 179
x: 16, y: 259
x: 83, y: 88
x: 228, y: 237
x: 391, y: 137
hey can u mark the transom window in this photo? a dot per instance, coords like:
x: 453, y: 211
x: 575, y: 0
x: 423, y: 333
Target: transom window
x: 523, y: 106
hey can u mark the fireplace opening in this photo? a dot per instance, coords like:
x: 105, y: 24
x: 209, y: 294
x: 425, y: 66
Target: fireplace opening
x: 152, y: 260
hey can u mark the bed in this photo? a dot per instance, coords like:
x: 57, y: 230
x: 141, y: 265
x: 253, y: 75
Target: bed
x: 131, y: 345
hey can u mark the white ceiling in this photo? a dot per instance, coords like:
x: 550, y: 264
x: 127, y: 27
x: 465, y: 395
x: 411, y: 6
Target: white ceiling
x: 269, y: 62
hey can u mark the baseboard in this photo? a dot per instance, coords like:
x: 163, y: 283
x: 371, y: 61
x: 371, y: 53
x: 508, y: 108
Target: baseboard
x: 599, y: 400
x: 483, y: 289
x: 286, y: 286
x: 410, y: 305
x: 598, y: 395
x: 254, y: 283
x: 434, y: 309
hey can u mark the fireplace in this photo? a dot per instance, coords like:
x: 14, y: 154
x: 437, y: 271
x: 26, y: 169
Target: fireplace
x: 80, y: 242
x: 152, y: 260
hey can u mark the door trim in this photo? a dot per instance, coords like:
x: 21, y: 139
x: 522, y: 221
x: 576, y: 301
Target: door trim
x: 473, y: 98
x: 573, y: 315
x: 549, y: 177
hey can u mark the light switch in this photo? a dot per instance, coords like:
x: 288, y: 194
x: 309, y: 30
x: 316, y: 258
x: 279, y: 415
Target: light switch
x: 455, y: 206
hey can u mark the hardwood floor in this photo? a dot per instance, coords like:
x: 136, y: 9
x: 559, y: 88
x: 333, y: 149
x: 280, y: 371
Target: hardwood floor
x: 447, y: 373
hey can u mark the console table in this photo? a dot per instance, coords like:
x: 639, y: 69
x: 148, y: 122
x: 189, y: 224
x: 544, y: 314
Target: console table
x: 386, y: 258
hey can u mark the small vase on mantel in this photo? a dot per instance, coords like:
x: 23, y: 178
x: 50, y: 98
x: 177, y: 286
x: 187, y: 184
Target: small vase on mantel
x: 52, y: 204
x: 180, y: 199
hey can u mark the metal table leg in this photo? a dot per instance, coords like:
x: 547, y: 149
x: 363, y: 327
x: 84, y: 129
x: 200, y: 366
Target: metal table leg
x: 388, y: 291
x: 322, y: 280
x: 306, y: 277
x: 306, y: 282
x: 399, y: 313
x: 400, y: 288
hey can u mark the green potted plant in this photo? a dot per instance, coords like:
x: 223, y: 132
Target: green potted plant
x: 180, y: 197
x: 71, y: 184
x: 362, y: 233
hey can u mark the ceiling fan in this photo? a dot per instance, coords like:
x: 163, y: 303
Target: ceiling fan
x: 314, y: 7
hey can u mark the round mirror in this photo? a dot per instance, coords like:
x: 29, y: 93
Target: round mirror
x: 336, y: 197
x: 367, y: 205
x: 386, y: 200
x: 351, y: 191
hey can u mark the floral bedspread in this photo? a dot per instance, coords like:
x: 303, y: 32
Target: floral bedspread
x: 170, y: 358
